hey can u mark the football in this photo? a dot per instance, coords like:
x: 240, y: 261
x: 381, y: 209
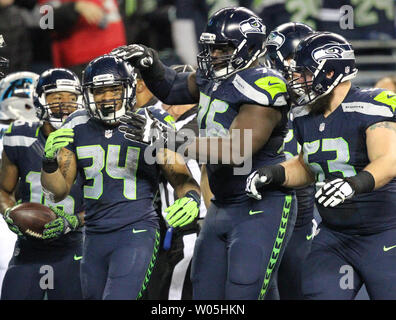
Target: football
x: 31, y: 218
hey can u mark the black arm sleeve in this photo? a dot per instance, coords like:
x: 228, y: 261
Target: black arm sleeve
x: 168, y: 85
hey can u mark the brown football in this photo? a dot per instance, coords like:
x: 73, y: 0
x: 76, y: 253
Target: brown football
x: 31, y: 218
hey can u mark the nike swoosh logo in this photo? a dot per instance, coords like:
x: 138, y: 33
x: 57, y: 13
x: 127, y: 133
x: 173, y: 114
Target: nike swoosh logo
x: 76, y: 257
x: 390, y: 96
x: 309, y: 237
x: 254, y: 212
x: 389, y: 248
x: 138, y: 231
x: 271, y: 84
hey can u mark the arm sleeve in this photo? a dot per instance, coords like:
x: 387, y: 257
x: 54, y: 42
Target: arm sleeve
x: 168, y: 85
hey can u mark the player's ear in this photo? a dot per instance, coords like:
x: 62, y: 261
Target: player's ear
x: 140, y: 86
x: 330, y: 74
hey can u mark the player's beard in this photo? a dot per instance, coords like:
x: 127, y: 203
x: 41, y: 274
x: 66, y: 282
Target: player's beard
x: 322, y: 104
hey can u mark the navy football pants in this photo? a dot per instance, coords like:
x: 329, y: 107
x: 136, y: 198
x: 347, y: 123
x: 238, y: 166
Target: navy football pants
x: 339, y: 264
x: 240, y: 247
x: 33, y: 273
x: 117, y: 265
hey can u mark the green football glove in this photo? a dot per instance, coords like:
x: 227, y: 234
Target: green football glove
x: 184, y: 210
x: 57, y: 140
x: 10, y: 223
x: 62, y: 225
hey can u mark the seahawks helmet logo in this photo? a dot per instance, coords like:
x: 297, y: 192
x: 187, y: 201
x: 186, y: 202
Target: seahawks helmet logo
x: 252, y: 25
x: 331, y: 51
x: 276, y: 39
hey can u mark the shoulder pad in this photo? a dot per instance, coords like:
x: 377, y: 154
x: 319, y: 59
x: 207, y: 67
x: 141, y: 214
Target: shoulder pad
x: 78, y: 117
x: 372, y: 102
x: 262, y: 85
x: 21, y: 133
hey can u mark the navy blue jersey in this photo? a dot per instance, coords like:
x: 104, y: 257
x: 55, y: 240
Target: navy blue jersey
x: 119, y: 177
x: 335, y: 147
x: 24, y: 146
x: 305, y: 196
x: 219, y: 105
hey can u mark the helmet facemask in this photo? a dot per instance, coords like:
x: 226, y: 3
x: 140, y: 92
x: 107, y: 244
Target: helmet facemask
x: 220, y: 60
x: 58, y: 101
x: 109, y: 107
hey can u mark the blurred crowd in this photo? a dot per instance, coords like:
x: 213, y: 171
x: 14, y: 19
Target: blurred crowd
x: 69, y: 33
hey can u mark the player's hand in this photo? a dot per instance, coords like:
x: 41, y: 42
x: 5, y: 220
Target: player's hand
x: 91, y: 11
x: 57, y: 140
x: 61, y: 225
x: 334, y: 192
x: 10, y: 223
x: 261, y: 177
x: 144, y: 129
x: 137, y: 55
x: 184, y: 210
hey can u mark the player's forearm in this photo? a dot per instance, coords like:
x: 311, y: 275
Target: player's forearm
x: 187, y: 183
x: 383, y: 170
x: 7, y: 200
x: 296, y: 175
x: 169, y: 86
x: 54, y: 185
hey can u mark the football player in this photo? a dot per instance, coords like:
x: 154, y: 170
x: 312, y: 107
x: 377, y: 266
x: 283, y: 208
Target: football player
x: 122, y: 237
x: 57, y: 94
x: 348, y: 139
x: 281, y: 43
x: 16, y: 102
x: 241, y: 241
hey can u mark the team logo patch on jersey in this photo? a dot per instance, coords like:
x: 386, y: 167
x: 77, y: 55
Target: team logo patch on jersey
x: 108, y: 133
x: 331, y: 51
x: 276, y: 39
x: 252, y: 25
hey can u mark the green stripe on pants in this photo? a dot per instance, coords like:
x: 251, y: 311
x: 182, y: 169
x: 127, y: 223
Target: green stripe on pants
x: 277, y: 245
x: 151, y: 265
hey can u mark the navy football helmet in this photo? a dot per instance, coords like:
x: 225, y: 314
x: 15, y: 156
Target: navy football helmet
x: 104, y: 72
x: 16, y: 96
x: 281, y: 44
x: 52, y: 81
x: 238, y: 35
x: 315, y: 57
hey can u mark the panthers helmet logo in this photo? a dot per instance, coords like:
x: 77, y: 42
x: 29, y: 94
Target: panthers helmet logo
x: 331, y: 51
x: 252, y: 25
x: 20, y: 88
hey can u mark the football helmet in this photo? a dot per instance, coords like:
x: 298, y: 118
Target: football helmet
x: 234, y: 37
x: 16, y: 96
x: 56, y: 80
x: 315, y: 57
x: 282, y: 42
x: 109, y: 71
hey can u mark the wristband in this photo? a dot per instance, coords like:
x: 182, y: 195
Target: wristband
x: 195, y: 196
x: 277, y: 173
x: 361, y: 183
x: 50, y: 165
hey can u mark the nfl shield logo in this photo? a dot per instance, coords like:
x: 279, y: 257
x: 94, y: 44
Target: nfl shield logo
x: 322, y: 126
x: 108, y: 133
